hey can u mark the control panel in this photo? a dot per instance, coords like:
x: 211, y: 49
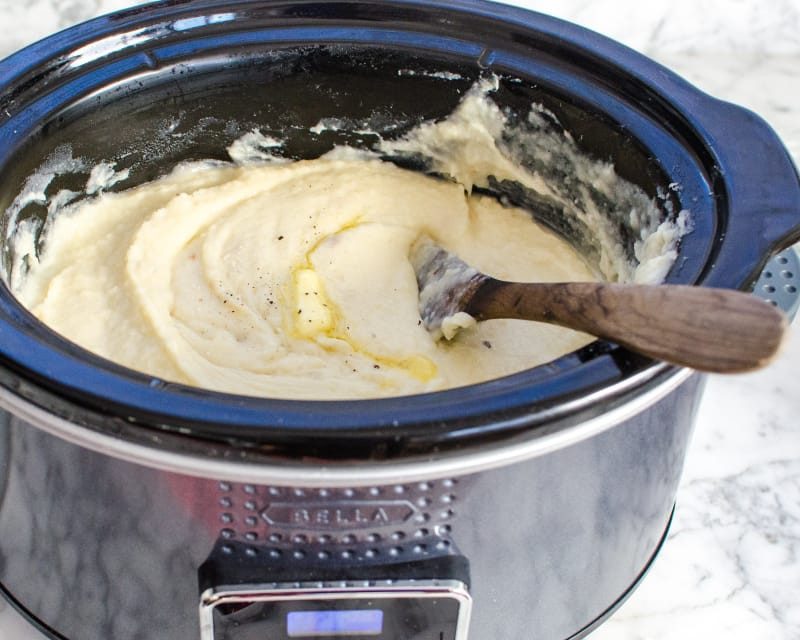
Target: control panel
x: 384, y: 610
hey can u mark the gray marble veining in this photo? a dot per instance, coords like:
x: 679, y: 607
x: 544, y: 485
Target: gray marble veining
x: 731, y: 564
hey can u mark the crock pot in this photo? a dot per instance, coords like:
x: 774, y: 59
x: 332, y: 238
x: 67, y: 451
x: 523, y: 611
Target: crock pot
x: 528, y: 506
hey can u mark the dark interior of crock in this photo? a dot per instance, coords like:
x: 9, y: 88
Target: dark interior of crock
x: 194, y: 109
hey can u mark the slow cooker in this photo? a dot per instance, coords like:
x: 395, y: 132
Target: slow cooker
x: 528, y: 506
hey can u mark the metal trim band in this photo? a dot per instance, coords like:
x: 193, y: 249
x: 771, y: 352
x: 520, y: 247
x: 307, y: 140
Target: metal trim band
x: 314, y: 474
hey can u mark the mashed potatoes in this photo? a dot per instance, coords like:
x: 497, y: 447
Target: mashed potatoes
x: 292, y: 279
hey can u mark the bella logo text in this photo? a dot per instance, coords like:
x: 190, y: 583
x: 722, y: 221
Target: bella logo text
x: 341, y: 515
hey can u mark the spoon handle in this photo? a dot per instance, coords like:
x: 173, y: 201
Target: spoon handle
x: 716, y: 330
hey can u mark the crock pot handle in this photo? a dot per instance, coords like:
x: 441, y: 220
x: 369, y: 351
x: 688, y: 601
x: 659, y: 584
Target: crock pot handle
x: 757, y: 183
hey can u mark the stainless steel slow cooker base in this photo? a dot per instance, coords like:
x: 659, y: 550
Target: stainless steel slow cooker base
x: 558, y: 537
x: 360, y: 590
x: 583, y: 633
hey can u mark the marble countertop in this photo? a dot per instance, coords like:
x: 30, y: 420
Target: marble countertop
x: 731, y: 565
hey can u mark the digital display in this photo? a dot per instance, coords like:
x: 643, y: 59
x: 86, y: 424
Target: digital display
x: 343, y: 622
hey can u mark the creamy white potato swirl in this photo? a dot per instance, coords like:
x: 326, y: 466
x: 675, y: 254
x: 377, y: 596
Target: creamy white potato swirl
x: 290, y: 280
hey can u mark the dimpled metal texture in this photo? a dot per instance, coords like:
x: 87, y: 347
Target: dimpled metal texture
x: 402, y: 521
x: 779, y: 283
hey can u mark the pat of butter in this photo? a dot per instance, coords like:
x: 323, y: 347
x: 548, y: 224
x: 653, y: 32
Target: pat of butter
x: 422, y: 368
x: 312, y: 315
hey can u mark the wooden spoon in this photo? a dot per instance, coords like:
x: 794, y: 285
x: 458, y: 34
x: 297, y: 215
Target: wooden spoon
x: 716, y: 330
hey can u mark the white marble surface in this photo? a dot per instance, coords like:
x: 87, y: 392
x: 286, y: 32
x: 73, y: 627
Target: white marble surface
x: 731, y: 566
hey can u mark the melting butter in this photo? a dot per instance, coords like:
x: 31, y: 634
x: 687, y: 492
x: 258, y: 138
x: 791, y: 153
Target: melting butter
x: 314, y: 318
x: 422, y: 368
x: 313, y: 315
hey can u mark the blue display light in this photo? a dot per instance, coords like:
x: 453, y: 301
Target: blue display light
x: 346, y: 622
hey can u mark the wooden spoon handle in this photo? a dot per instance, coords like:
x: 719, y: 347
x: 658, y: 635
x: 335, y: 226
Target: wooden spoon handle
x: 717, y: 330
